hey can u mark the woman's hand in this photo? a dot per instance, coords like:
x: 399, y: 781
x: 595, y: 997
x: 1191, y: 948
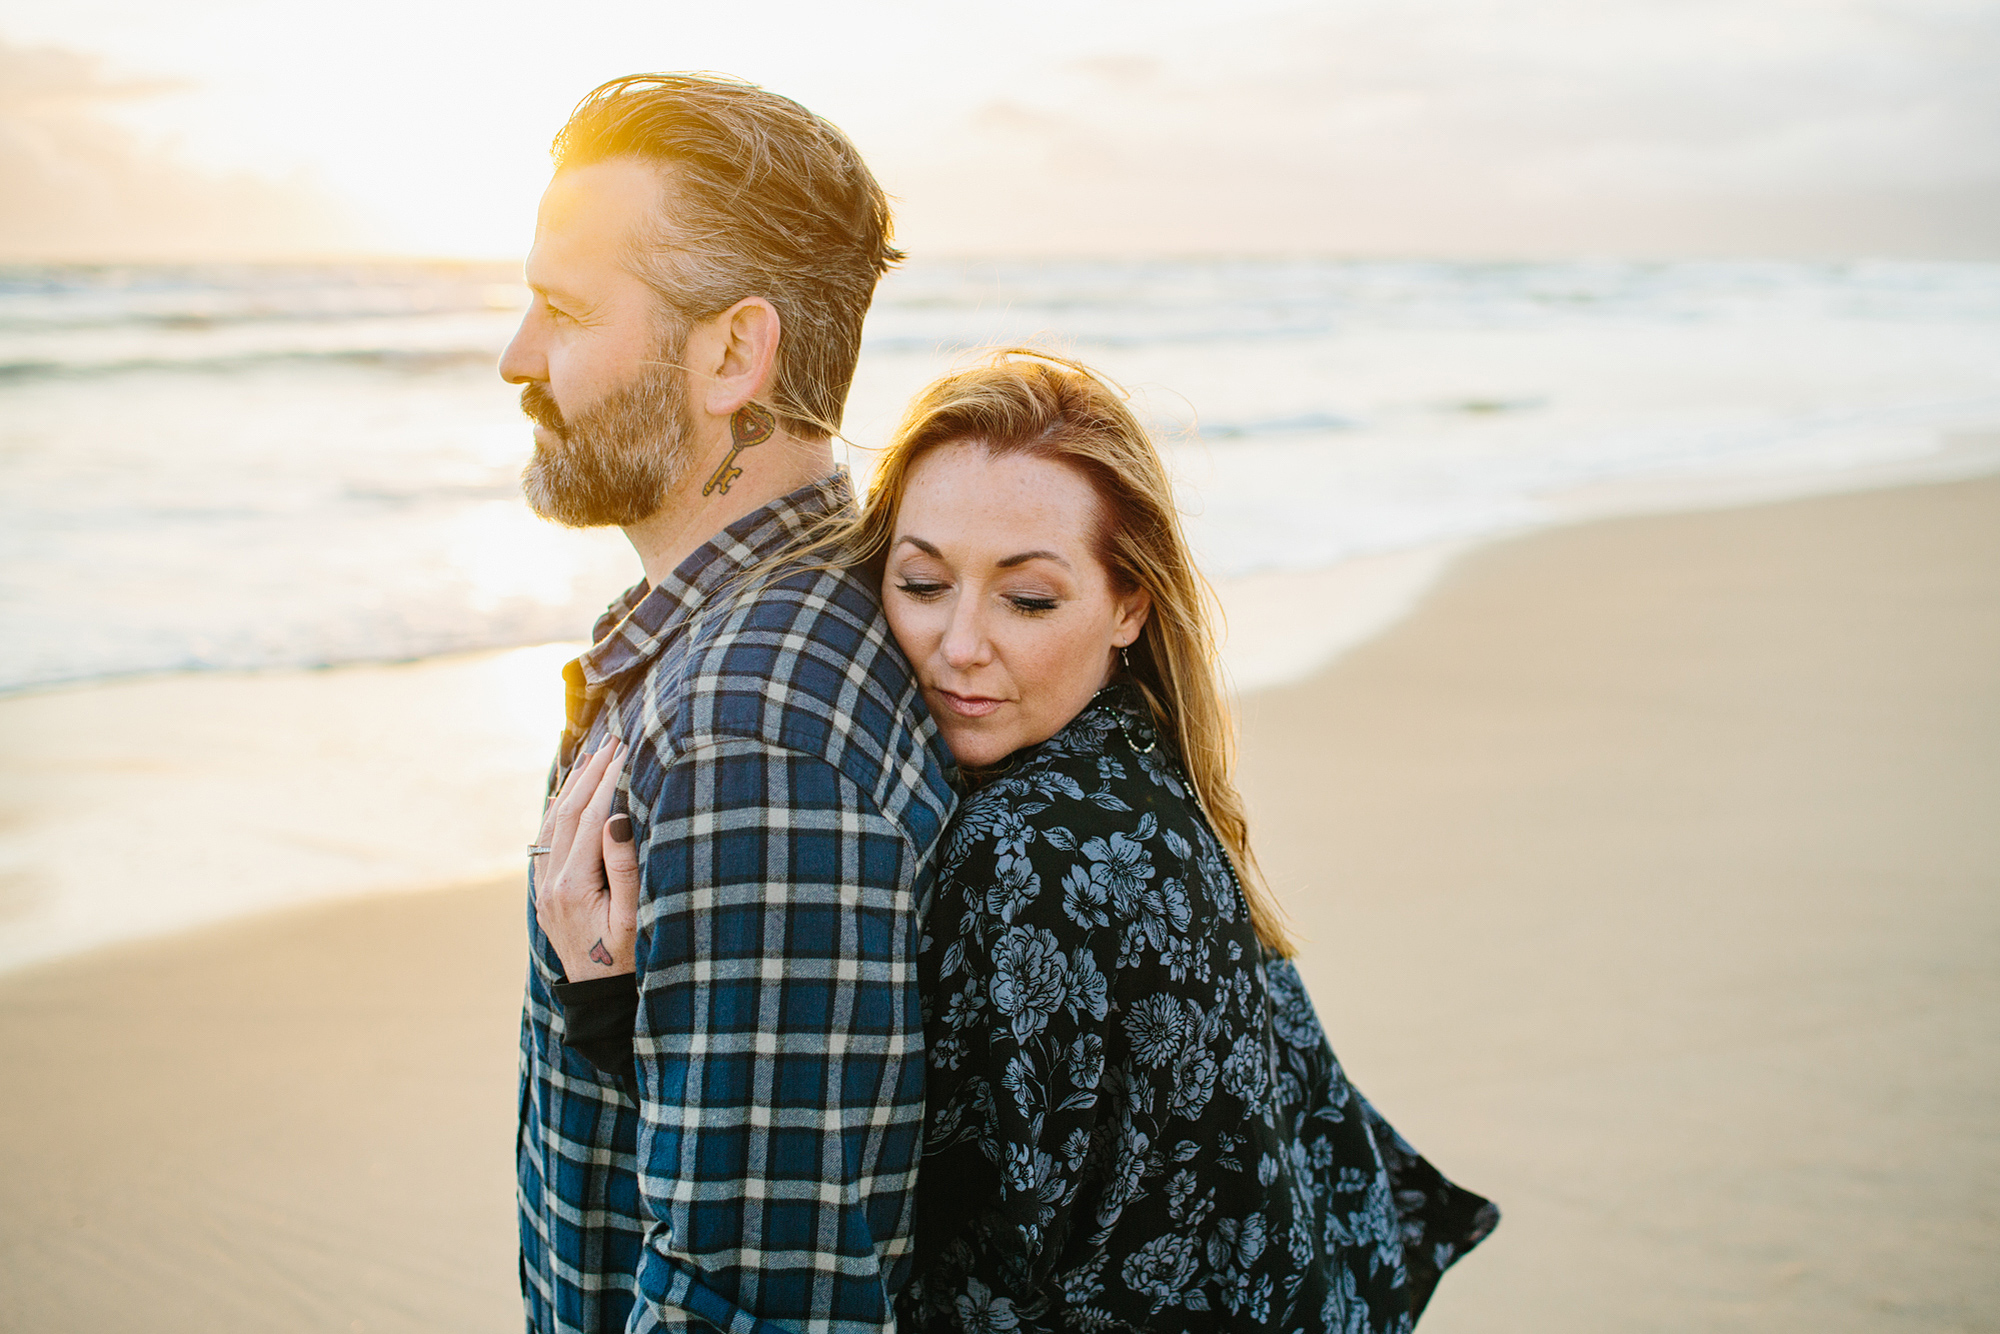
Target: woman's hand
x: 587, y: 885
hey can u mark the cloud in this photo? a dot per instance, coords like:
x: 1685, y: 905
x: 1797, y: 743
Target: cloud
x: 82, y: 186
x: 1502, y: 127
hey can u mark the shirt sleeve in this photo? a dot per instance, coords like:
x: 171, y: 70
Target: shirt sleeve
x: 1023, y: 1004
x: 1440, y: 1220
x: 779, y: 1047
x: 598, y: 1015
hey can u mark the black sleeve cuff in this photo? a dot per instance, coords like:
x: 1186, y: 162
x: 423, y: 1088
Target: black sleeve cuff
x: 598, y: 1018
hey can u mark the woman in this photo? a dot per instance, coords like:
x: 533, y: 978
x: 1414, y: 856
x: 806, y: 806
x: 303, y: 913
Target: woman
x: 1133, y: 1119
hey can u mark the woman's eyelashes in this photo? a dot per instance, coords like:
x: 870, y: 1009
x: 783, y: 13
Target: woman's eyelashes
x: 923, y: 590
x: 1032, y: 599
x: 928, y: 590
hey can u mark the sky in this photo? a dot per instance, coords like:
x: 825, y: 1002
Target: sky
x: 1472, y: 128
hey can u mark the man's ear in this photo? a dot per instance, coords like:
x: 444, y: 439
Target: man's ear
x: 1133, y: 609
x: 741, y: 349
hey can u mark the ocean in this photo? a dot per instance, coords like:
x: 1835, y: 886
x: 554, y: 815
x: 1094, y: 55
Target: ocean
x: 216, y: 481
x: 248, y: 467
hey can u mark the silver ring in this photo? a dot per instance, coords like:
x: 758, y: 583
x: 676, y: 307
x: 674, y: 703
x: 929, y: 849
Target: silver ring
x: 536, y: 849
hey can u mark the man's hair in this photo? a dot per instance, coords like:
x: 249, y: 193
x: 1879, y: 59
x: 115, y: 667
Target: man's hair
x: 766, y: 199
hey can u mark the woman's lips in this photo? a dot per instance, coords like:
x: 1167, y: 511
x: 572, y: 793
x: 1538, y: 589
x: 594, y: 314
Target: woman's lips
x: 966, y: 706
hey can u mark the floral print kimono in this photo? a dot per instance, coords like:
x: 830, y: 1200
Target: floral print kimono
x: 1134, y: 1120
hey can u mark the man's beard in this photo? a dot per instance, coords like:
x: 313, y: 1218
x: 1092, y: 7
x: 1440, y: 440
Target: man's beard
x: 614, y: 462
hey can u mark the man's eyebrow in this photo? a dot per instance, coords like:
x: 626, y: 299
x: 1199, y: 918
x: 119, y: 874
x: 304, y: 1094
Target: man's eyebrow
x: 552, y: 293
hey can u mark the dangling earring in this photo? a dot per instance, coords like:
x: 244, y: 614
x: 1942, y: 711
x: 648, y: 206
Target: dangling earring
x: 1125, y: 659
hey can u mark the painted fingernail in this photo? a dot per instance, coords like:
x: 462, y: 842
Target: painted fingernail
x: 621, y: 828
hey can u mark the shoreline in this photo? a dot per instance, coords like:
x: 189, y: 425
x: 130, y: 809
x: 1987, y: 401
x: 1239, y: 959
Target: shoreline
x: 1643, y: 884
x: 274, y: 789
x: 161, y: 805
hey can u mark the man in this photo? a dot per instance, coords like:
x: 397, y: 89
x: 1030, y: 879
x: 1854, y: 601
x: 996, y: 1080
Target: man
x: 703, y: 260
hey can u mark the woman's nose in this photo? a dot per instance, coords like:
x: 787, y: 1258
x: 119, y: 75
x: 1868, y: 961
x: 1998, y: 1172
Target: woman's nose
x: 965, y: 643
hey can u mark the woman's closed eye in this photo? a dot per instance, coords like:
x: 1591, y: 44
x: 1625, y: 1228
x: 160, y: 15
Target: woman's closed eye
x: 1032, y: 604
x: 923, y: 590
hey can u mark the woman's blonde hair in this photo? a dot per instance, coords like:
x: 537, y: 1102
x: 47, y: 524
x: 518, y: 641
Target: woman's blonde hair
x: 1021, y: 401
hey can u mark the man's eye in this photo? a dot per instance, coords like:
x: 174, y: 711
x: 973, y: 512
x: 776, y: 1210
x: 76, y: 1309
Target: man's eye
x: 921, y: 590
x: 554, y: 312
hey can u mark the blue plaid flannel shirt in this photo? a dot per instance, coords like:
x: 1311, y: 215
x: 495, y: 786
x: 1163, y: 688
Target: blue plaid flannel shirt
x: 787, y: 787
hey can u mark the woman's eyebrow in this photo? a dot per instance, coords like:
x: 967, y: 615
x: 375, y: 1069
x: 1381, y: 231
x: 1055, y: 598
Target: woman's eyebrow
x: 1027, y: 556
x: 1009, y: 563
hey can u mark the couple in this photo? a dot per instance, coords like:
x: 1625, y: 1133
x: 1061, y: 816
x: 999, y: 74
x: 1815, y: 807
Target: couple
x: 898, y: 954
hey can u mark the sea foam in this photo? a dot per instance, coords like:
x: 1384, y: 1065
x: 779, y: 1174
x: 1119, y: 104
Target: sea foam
x: 251, y: 467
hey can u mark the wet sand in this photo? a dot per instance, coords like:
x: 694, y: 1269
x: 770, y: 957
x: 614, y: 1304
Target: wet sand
x: 1650, y: 878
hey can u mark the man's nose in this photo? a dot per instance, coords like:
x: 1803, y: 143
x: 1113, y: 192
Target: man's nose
x: 525, y: 360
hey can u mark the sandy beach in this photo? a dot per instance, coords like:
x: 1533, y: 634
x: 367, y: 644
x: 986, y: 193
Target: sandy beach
x: 1646, y: 875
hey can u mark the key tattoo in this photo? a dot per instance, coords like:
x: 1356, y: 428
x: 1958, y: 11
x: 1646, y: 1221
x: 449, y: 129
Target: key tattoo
x: 751, y: 424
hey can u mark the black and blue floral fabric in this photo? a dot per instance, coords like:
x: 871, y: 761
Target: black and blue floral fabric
x: 1134, y: 1120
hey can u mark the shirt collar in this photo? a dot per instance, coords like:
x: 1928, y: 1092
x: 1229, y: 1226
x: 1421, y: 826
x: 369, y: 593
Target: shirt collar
x: 643, y: 621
